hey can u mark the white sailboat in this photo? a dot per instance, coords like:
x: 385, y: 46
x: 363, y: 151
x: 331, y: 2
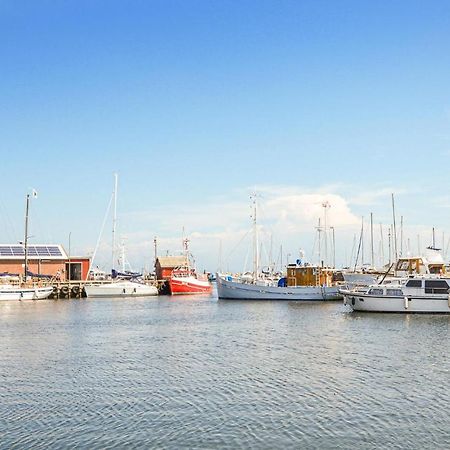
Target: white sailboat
x: 118, y: 287
x: 305, y: 282
x: 25, y: 291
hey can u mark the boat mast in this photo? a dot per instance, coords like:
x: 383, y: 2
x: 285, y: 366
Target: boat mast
x: 382, y: 245
x: 334, y: 247
x: 372, y: 255
x: 401, y: 235
x: 27, y: 208
x: 395, y: 229
x: 114, y: 222
x: 255, y: 239
x: 325, y: 206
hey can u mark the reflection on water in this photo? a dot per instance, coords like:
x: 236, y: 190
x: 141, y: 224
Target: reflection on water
x: 197, y: 372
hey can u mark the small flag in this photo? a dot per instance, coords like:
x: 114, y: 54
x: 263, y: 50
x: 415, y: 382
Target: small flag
x: 34, y: 193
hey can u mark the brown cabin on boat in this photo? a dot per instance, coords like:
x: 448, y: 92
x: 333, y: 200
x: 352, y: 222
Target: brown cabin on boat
x: 165, y: 264
x: 308, y: 276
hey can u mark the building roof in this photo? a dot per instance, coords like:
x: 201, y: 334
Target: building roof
x: 171, y: 261
x: 40, y: 251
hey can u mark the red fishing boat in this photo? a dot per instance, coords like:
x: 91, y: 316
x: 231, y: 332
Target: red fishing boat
x: 185, y: 280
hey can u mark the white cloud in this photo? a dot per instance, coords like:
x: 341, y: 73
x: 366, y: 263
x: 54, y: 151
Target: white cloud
x: 288, y: 216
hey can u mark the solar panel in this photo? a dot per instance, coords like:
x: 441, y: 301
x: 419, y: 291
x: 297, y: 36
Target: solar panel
x: 33, y: 250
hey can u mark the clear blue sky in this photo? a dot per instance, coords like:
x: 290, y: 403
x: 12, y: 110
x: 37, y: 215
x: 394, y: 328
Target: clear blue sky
x: 192, y: 101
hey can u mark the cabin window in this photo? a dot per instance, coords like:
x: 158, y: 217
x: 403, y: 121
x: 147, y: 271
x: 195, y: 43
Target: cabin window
x: 376, y: 291
x: 402, y: 265
x: 435, y: 269
x: 436, y: 287
x: 394, y: 292
x: 414, y: 283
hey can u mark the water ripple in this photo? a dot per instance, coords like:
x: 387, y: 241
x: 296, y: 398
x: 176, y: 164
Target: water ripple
x: 199, y: 373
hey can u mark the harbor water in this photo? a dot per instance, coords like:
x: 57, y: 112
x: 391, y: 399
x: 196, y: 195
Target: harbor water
x: 195, y: 372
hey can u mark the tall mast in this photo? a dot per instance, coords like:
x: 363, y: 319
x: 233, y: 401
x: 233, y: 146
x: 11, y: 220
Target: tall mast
x: 389, y: 244
x: 334, y: 248
x: 319, y: 231
x: 362, y: 242
x: 27, y: 208
x: 325, y: 205
x: 255, y: 239
x: 114, y: 222
x: 372, y: 256
x: 395, y: 229
x: 401, y: 235
x: 382, y: 245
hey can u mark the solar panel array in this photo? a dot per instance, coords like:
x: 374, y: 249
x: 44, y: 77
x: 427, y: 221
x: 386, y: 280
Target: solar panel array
x: 41, y: 251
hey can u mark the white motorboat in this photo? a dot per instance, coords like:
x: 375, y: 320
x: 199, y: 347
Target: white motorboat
x: 229, y: 288
x: 120, y: 288
x: 430, y: 263
x: 426, y: 294
x: 12, y: 293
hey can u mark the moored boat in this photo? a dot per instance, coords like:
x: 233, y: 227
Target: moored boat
x: 120, y: 288
x: 229, y: 288
x: 426, y: 294
x: 185, y: 280
x: 12, y: 293
x: 126, y: 284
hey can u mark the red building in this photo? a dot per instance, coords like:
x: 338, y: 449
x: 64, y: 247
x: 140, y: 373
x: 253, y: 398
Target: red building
x: 43, y: 260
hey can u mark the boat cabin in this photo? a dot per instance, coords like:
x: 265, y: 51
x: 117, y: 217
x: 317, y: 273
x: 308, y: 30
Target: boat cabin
x: 410, y: 266
x: 165, y: 265
x: 306, y: 275
x: 427, y: 286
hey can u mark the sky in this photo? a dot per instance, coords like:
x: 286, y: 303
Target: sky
x: 196, y: 104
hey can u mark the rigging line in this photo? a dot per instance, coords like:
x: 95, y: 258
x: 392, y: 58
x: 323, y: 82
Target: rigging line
x: 101, y: 233
x: 236, y: 246
x: 357, y: 254
x: 249, y: 250
x: 314, y: 245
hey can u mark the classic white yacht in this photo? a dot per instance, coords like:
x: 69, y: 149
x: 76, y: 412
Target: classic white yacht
x: 418, y: 294
x: 230, y: 288
x: 303, y: 281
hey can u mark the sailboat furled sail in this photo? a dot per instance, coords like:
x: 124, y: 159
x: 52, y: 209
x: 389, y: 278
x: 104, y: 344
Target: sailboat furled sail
x: 118, y: 286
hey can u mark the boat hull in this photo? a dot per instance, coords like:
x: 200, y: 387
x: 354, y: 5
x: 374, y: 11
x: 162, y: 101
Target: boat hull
x: 409, y: 304
x: 233, y: 290
x: 189, y: 285
x: 120, y: 289
x: 17, y: 293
